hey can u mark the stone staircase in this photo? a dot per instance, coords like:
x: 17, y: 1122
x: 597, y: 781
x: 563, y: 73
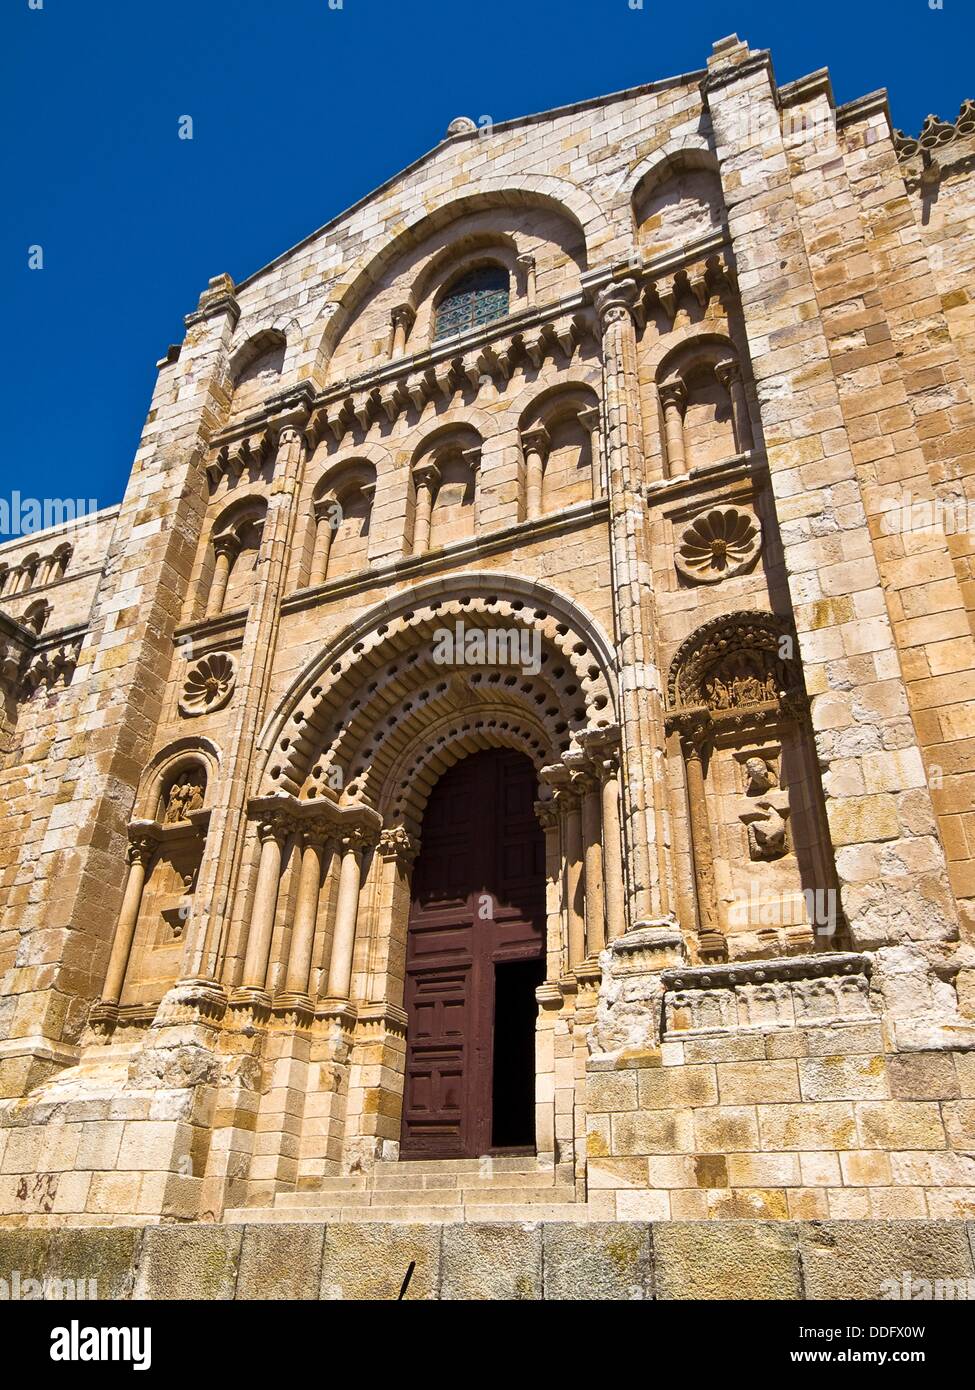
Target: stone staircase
x: 427, y: 1190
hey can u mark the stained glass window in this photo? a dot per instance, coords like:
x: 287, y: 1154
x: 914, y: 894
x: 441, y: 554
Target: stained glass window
x: 478, y: 297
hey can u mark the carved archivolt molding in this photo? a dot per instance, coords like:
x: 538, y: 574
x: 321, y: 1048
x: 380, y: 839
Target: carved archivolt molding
x: 360, y: 708
x: 736, y: 663
x: 209, y: 684
x: 717, y: 544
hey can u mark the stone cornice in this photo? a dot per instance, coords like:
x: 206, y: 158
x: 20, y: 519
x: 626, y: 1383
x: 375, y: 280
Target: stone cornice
x: 814, y: 84
x: 751, y: 465
x: 726, y: 975
x: 725, y: 74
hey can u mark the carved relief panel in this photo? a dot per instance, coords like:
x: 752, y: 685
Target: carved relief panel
x: 763, y: 871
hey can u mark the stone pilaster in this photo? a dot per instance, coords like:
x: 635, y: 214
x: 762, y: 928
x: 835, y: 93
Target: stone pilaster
x: 640, y: 685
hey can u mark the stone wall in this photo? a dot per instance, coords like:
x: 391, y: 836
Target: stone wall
x: 631, y: 1261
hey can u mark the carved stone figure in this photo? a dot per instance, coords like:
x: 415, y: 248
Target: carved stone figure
x: 766, y: 836
x: 761, y: 776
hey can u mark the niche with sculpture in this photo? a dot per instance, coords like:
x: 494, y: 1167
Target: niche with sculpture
x: 172, y: 849
x: 761, y: 861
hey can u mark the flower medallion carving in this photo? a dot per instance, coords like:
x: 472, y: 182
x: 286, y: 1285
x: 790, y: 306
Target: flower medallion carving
x: 209, y: 684
x: 717, y: 544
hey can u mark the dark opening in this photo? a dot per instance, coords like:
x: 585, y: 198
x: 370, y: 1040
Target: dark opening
x: 515, y: 1011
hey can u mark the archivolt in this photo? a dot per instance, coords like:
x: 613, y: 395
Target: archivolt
x: 571, y: 203
x: 352, y: 722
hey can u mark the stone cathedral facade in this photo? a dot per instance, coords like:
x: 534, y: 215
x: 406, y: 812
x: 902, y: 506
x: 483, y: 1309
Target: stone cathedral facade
x: 512, y: 749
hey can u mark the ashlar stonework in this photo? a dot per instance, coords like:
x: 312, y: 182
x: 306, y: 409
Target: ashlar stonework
x: 511, y: 750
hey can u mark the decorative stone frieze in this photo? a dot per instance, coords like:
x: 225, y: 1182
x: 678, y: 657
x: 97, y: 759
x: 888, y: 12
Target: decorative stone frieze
x: 801, y: 992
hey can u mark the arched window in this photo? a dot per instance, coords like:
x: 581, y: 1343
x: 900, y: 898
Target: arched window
x: 478, y: 297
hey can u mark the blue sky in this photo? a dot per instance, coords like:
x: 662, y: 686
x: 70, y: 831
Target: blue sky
x: 299, y: 109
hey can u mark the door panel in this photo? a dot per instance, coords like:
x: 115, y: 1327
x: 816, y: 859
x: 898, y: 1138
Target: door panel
x: 480, y: 844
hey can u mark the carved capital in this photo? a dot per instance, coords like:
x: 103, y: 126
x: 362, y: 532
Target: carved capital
x: 403, y: 316
x: 396, y: 843
x: 536, y: 441
x: 727, y: 372
x: 426, y: 475
x: 546, y: 815
x: 143, y: 843
x: 616, y: 303
x: 673, y: 395
x: 227, y: 544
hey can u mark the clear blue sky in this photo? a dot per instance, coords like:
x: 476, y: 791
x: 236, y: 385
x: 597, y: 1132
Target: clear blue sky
x: 300, y: 109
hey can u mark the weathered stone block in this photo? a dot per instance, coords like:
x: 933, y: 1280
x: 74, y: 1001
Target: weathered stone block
x: 727, y: 1260
x: 285, y: 1258
x: 868, y: 1259
x: 923, y: 1076
x: 598, y: 1260
x: 502, y: 1261
x: 189, y: 1262
x: 371, y: 1261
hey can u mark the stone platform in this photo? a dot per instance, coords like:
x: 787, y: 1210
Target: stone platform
x: 773, y: 1260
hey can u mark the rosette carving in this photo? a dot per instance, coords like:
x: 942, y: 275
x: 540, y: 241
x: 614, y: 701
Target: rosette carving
x: 209, y: 684
x: 718, y: 543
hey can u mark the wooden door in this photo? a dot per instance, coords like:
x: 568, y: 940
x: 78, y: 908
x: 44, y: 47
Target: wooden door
x: 478, y: 910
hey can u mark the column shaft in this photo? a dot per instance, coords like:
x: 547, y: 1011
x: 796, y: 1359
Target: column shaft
x: 306, y: 917
x: 575, y: 915
x: 613, y: 856
x: 262, y: 913
x: 125, y: 930
x: 343, y: 940
x: 591, y: 818
x: 324, y: 533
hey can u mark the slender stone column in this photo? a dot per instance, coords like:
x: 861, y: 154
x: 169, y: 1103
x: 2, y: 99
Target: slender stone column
x: 640, y: 686
x: 425, y: 480
x: 729, y: 375
x: 343, y: 939
x: 527, y: 264
x: 327, y: 516
x: 673, y: 398
x: 694, y: 743
x: 306, y: 911
x: 45, y: 570
x: 588, y: 787
x: 535, y: 443
x: 568, y: 803
x: 612, y: 852
x: 225, y: 549
x: 141, y: 849
x: 271, y: 834
x: 402, y: 319
x: 554, y: 945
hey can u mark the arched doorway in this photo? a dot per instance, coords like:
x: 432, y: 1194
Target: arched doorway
x: 475, y: 955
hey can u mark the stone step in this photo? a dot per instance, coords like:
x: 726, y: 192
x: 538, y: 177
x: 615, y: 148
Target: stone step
x: 442, y: 1197
x: 410, y: 1215
x: 514, y: 1163
x: 391, y: 1181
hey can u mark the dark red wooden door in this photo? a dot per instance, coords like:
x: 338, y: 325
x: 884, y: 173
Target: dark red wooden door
x: 476, y: 936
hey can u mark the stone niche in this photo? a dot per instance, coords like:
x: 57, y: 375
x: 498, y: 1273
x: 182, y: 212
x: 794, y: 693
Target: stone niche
x: 167, y: 851
x: 763, y: 873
